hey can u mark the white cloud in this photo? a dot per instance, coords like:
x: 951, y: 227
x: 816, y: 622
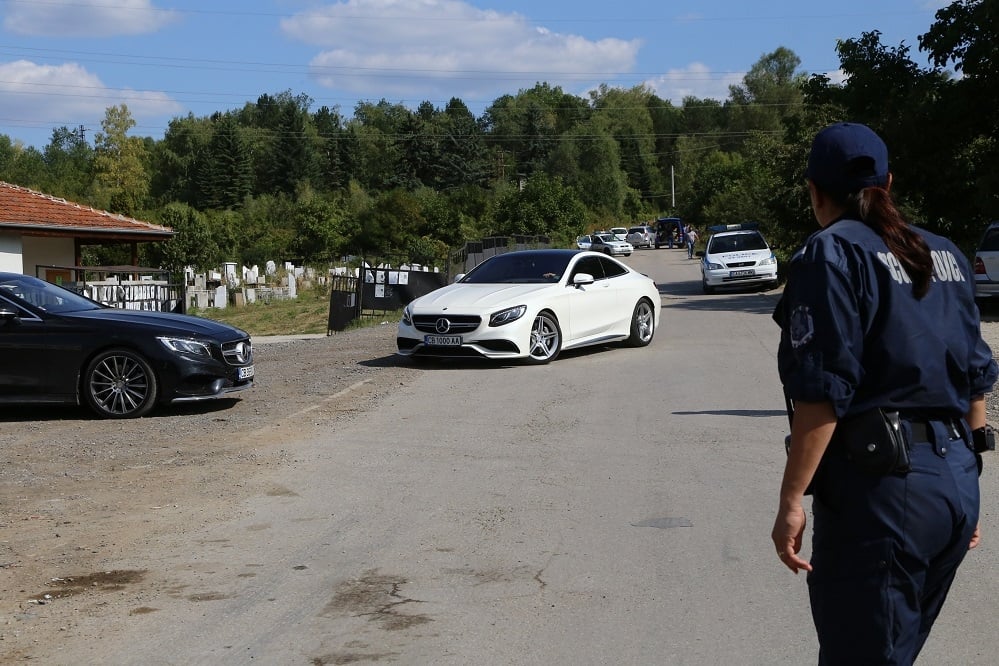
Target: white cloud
x: 85, y: 18
x: 837, y: 77
x: 432, y: 47
x: 695, y: 80
x: 70, y: 95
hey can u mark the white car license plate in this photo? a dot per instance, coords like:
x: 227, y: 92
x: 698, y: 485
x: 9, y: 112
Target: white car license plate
x: 442, y: 340
x: 741, y: 273
x: 245, y: 372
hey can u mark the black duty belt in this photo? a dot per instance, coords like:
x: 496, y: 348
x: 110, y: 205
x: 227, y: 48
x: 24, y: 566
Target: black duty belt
x: 922, y: 430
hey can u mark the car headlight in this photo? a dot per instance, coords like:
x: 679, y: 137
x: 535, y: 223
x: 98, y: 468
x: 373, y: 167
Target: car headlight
x: 407, y: 315
x: 713, y: 266
x: 770, y: 261
x: 186, y: 346
x: 508, y: 315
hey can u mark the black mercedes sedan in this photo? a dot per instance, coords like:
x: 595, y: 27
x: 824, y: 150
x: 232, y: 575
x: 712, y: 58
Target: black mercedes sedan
x: 59, y: 347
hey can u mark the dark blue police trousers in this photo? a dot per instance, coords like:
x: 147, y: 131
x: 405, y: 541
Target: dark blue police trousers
x: 885, y: 549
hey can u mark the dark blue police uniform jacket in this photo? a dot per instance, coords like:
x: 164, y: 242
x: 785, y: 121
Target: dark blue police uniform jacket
x: 854, y: 334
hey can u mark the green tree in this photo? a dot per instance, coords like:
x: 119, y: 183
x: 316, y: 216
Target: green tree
x: 68, y: 159
x: 175, y: 161
x: 544, y: 207
x: 226, y: 168
x: 320, y: 230
x: 588, y: 159
x: 193, y: 243
x: 667, y: 127
x: 389, y: 225
x: 463, y: 157
x: 626, y: 115
x: 770, y: 91
x: 937, y: 166
x: 375, y: 131
x: 20, y: 164
x: 265, y: 234
x: 419, y: 149
x: 966, y: 34
x: 334, y: 150
x: 522, y: 130
x: 120, y: 163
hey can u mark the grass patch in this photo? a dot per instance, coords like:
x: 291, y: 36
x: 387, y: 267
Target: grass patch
x: 309, y: 313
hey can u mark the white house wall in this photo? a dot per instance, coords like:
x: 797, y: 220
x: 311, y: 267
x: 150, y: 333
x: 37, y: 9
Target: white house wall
x: 10, y: 253
x: 45, y: 251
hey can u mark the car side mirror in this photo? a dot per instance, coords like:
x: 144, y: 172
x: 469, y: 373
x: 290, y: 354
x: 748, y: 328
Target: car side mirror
x: 458, y: 277
x: 6, y: 314
x: 581, y: 279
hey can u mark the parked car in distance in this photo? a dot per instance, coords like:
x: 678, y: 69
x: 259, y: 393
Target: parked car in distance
x: 621, y: 233
x: 531, y: 305
x: 643, y: 236
x: 610, y: 244
x: 583, y: 242
x: 987, y: 264
x: 736, y: 255
x: 59, y: 347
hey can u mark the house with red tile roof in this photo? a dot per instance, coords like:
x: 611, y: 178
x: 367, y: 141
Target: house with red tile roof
x: 38, y: 230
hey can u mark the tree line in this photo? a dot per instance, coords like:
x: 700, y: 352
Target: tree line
x: 278, y: 180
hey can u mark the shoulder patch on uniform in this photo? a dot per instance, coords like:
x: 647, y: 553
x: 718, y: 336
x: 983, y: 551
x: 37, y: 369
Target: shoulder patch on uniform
x: 802, y: 328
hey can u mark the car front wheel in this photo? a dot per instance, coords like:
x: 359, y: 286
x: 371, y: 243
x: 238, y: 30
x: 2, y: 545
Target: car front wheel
x: 643, y: 324
x: 119, y: 384
x: 546, y: 339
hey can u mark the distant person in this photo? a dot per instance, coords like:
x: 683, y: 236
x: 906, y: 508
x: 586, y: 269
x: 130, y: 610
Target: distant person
x: 691, y: 240
x: 880, y: 351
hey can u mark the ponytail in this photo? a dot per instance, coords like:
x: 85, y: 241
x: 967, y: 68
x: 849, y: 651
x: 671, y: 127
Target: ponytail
x: 875, y: 208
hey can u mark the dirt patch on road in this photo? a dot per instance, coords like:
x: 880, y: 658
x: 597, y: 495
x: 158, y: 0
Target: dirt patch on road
x: 77, y: 493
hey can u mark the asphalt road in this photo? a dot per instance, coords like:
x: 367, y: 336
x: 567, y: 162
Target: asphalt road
x: 613, y: 507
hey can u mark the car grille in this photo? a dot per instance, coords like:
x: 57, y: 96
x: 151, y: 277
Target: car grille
x: 456, y: 324
x: 237, y: 353
x: 740, y: 264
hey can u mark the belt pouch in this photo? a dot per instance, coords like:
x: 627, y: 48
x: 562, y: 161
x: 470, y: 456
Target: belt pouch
x: 873, y: 442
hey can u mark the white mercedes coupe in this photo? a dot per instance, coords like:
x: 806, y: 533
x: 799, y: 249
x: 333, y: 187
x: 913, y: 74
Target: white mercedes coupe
x: 531, y: 305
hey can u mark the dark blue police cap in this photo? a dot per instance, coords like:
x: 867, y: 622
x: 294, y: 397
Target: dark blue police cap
x: 847, y: 157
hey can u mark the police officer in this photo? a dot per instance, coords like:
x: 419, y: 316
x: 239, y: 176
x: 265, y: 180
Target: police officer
x: 877, y: 318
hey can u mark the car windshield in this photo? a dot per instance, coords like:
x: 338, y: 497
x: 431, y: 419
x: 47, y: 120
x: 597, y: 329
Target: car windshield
x: 737, y: 243
x: 607, y: 238
x: 519, y: 268
x: 45, y: 295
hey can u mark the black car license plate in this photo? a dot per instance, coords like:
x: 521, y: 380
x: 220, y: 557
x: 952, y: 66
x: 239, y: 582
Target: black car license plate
x: 741, y: 273
x: 442, y: 340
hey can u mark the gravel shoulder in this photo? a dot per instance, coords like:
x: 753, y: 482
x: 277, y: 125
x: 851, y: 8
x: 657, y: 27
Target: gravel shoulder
x: 77, y: 493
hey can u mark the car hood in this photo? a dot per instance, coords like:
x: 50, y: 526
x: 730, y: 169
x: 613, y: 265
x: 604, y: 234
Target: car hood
x: 165, y: 322
x: 479, y: 296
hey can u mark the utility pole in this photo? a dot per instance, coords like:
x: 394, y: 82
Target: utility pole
x: 672, y: 185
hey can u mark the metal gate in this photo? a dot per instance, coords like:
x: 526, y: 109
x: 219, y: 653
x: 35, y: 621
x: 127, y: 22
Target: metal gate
x: 376, y: 292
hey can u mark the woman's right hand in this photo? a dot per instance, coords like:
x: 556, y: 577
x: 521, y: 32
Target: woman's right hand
x: 789, y: 527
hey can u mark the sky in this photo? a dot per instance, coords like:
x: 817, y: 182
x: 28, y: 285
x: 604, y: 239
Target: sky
x: 64, y: 62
